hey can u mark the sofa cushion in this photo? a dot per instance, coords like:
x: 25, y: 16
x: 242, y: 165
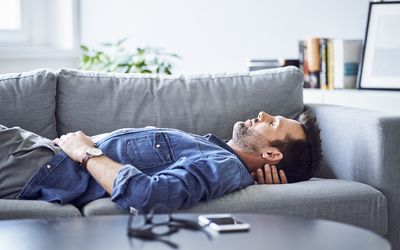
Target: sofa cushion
x: 344, y: 201
x: 18, y: 209
x: 102, y: 206
x: 97, y: 102
x: 27, y: 100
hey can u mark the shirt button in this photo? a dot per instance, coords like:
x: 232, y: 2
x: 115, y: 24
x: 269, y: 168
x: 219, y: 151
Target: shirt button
x: 158, y: 145
x: 48, y: 166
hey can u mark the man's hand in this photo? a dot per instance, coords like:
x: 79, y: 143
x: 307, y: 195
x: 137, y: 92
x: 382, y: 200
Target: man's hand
x: 74, y: 145
x: 103, y: 169
x: 269, y: 175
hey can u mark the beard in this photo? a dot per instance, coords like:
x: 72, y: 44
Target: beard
x: 247, y: 139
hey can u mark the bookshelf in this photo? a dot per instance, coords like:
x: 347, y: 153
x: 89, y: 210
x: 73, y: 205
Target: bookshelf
x: 379, y: 100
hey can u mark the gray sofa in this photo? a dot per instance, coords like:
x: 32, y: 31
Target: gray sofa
x: 359, y: 176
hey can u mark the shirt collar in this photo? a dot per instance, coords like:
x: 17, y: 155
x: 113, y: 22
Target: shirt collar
x: 217, y: 141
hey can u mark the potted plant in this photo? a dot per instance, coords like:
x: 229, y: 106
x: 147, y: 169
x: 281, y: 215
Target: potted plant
x: 114, y: 57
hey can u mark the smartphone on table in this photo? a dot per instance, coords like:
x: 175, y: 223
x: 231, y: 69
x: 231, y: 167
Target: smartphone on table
x: 223, y: 223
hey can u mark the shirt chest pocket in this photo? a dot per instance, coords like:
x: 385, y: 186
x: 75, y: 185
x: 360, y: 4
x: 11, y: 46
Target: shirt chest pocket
x: 149, y: 151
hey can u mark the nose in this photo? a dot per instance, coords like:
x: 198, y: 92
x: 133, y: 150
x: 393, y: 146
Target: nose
x: 263, y: 116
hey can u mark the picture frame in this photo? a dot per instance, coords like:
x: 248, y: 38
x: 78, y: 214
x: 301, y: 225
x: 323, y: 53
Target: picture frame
x: 380, y: 60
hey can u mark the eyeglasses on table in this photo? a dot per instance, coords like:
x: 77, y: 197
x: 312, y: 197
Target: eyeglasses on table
x: 155, y: 225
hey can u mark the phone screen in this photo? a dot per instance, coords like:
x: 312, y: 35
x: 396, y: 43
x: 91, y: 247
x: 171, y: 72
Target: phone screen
x: 223, y: 221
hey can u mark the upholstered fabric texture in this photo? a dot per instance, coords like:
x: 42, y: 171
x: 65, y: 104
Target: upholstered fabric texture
x: 359, y: 146
x: 27, y: 100
x: 363, y: 146
x: 99, y: 102
x: 339, y: 200
x: 18, y: 209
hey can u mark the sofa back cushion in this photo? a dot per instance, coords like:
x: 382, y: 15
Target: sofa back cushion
x: 27, y: 100
x: 97, y: 102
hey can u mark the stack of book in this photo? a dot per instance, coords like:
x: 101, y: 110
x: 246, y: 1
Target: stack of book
x: 259, y: 64
x: 329, y: 63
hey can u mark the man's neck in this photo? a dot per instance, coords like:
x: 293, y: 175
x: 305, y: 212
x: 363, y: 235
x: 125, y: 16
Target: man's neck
x: 252, y: 160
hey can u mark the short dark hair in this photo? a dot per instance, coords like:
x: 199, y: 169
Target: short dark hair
x: 301, y: 158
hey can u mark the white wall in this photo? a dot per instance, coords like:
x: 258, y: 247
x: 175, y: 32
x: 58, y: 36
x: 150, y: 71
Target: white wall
x: 219, y: 35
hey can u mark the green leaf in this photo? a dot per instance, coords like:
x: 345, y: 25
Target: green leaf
x: 128, y: 70
x: 84, y: 48
x: 123, y: 64
x: 121, y: 41
x: 140, y: 64
x: 167, y: 71
x: 107, y: 44
x: 174, y: 55
x: 141, y: 51
x: 86, y: 58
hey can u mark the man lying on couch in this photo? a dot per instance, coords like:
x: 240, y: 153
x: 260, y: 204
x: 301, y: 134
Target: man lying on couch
x: 140, y: 168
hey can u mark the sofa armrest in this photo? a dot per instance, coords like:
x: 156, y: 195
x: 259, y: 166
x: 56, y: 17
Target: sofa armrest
x: 363, y: 146
x: 359, y: 145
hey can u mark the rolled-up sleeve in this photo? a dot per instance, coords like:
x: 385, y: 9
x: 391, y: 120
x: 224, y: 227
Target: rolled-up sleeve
x: 182, y: 184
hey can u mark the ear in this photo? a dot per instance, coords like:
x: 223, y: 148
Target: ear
x: 272, y: 155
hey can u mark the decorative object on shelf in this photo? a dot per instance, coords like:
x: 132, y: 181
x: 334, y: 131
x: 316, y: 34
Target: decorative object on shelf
x: 116, y: 58
x: 379, y: 68
x: 259, y: 64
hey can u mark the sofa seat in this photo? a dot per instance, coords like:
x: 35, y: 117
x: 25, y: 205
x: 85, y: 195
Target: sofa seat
x: 19, y: 209
x: 339, y: 200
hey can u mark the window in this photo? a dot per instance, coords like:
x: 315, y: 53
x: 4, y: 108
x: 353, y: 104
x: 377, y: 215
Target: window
x: 38, y: 34
x: 39, y: 24
x: 10, y: 15
x: 13, y: 22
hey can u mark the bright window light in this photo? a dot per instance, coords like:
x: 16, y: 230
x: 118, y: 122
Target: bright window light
x: 10, y: 14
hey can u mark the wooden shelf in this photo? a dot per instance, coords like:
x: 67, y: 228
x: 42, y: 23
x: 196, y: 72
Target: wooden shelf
x: 380, y: 100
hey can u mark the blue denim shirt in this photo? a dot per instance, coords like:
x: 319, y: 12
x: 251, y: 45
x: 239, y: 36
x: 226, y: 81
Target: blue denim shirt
x: 164, y: 166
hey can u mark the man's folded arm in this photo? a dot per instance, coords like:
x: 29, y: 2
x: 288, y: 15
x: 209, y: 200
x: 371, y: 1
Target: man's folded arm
x: 181, y: 185
x: 104, y: 170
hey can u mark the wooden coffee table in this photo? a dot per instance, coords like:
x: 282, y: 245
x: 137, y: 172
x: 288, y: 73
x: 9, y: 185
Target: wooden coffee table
x: 110, y: 232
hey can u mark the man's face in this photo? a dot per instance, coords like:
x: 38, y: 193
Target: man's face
x: 255, y: 134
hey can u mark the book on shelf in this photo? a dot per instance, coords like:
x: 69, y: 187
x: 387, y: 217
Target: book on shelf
x: 323, y: 71
x: 259, y: 64
x: 303, y: 62
x: 329, y: 59
x: 346, y: 61
x: 313, y: 60
x: 329, y: 63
